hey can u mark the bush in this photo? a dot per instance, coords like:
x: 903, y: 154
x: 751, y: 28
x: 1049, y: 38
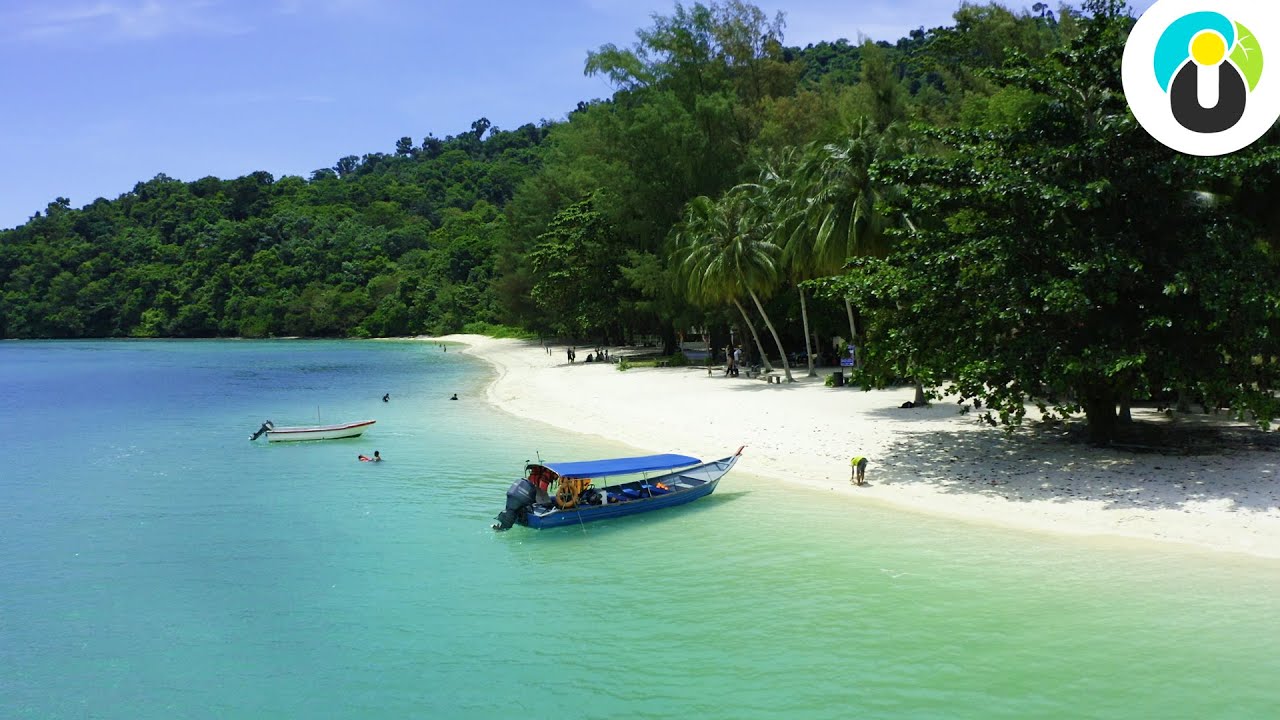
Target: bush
x: 623, y: 365
x: 678, y: 360
x: 498, y: 331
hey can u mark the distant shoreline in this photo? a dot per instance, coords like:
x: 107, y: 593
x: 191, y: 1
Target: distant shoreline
x: 930, y: 460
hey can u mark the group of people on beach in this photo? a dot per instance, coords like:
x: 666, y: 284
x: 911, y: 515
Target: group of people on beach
x: 571, y: 354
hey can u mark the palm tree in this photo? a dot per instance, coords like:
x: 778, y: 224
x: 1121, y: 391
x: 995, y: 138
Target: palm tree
x: 837, y: 202
x: 702, y: 220
x: 777, y: 211
x: 839, y: 199
x: 722, y: 255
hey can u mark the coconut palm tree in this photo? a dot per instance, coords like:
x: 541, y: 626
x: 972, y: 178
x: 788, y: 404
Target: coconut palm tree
x: 723, y: 255
x: 837, y: 201
x: 777, y: 211
x: 839, y: 197
x: 703, y: 219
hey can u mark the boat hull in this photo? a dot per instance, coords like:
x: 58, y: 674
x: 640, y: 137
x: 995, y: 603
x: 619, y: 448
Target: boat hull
x: 687, y: 485
x: 590, y: 513
x: 325, y: 432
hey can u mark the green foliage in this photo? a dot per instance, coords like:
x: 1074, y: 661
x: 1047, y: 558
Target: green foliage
x: 498, y: 331
x: 377, y: 246
x: 576, y: 272
x: 1067, y: 261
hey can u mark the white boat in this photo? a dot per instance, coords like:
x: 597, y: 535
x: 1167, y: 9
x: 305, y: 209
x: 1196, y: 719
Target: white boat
x: 314, y: 432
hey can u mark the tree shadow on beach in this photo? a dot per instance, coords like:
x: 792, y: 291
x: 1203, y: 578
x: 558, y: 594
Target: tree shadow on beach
x: 1232, y: 467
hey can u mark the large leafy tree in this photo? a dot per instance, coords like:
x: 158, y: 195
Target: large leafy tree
x: 1067, y: 260
x: 576, y: 272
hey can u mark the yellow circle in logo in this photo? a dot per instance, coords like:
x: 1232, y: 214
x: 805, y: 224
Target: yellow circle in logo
x: 1208, y: 48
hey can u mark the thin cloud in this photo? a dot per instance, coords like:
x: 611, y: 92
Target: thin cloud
x: 330, y: 7
x: 114, y: 20
x: 241, y: 98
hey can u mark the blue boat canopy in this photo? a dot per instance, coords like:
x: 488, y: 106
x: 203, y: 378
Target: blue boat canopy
x: 618, y: 466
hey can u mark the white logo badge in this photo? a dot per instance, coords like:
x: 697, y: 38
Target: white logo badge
x: 1203, y: 76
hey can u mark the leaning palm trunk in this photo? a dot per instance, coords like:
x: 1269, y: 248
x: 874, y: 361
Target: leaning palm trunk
x: 786, y: 366
x: 853, y: 328
x: 808, y: 349
x: 764, y: 359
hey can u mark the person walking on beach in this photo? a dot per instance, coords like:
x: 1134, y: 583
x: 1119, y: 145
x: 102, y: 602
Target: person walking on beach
x: 858, y: 474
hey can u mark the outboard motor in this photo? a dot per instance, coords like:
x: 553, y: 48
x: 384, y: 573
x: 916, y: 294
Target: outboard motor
x: 262, y: 430
x: 520, y: 495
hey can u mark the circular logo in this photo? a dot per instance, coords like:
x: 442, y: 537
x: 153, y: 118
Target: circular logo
x: 1196, y: 77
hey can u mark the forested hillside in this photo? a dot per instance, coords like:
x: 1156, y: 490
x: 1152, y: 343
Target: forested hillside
x: 974, y: 205
x: 376, y: 245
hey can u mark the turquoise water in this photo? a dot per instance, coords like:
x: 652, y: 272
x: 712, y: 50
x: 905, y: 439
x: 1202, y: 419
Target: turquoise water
x: 156, y: 564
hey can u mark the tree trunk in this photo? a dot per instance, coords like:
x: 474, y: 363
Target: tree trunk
x: 853, y: 327
x: 808, y: 349
x: 786, y: 366
x: 669, y: 340
x: 853, y: 335
x: 1182, y: 405
x: 1100, y: 413
x: 920, y: 400
x: 764, y: 359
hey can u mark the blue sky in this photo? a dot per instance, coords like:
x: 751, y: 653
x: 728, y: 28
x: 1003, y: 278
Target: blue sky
x: 97, y: 95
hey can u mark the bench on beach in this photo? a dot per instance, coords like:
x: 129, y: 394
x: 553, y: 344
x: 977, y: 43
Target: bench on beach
x: 770, y: 378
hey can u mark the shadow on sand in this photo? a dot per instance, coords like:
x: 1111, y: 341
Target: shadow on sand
x: 1195, y: 461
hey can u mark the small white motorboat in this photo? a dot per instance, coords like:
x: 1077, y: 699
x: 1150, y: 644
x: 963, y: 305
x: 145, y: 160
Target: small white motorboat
x: 314, y: 432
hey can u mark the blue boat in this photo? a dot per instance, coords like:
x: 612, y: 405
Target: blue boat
x: 555, y: 494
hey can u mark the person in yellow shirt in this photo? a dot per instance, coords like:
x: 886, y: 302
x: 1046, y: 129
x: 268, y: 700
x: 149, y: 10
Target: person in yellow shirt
x: 858, y: 474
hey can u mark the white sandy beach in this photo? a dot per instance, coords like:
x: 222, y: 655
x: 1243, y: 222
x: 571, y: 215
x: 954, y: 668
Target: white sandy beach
x: 931, y: 460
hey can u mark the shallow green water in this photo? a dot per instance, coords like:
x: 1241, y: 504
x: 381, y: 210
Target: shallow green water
x: 155, y: 564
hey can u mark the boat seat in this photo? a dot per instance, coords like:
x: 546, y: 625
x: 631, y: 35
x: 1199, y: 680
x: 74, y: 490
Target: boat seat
x: 616, y: 498
x: 654, y: 489
x: 632, y: 493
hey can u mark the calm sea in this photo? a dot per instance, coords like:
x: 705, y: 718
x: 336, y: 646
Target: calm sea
x: 154, y: 563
